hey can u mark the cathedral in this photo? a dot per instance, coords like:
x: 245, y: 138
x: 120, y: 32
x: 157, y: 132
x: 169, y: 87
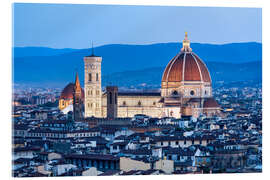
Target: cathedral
x: 186, y: 90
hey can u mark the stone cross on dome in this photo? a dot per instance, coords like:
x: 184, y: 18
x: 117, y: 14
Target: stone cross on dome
x: 186, y: 44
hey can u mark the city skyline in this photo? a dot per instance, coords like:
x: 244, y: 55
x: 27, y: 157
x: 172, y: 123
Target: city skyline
x: 70, y: 26
x: 160, y: 109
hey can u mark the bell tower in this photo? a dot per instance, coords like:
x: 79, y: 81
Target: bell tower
x: 92, y: 85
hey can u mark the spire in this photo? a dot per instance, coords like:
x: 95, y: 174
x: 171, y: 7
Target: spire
x: 77, y: 83
x: 186, y: 44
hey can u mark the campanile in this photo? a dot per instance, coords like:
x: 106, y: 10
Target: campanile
x: 92, y: 85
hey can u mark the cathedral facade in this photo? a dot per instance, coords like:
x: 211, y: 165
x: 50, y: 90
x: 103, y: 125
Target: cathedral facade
x: 186, y: 89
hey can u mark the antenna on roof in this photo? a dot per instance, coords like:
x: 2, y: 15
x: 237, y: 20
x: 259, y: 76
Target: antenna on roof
x: 92, y: 49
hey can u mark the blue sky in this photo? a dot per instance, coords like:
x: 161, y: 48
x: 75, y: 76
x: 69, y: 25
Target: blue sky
x: 76, y: 26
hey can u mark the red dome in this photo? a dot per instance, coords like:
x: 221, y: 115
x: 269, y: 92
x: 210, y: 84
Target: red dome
x: 210, y: 103
x: 67, y: 92
x: 185, y: 66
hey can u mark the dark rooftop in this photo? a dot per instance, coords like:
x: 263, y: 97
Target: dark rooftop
x: 139, y: 94
x: 92, y: 156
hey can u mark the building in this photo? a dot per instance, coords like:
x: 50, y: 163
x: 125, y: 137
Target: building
x: 186, y: 89
x: 67, y: 96
x: 77, y: 101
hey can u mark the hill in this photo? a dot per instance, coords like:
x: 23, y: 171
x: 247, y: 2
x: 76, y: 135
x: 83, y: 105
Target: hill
x: 57, y: 66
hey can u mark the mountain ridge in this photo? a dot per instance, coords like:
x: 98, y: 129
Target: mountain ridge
x: 60, y: 65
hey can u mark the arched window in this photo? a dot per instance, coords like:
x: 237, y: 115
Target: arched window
x: 154, y: 103
x: 175, y: 93
x: 139, y: 103
x: 97, y: 77
x: 89, y: 77
x: 124, y: 103
x: 192, y: 92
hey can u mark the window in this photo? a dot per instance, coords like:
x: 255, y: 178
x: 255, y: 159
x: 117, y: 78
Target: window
x: 124, y: 103
x: 177, y: 142
x: 154, y: 103
x: 139, y: 103
x: 89, y: 77
x: 115, y: 98
x: 97, y: 77
x: 205, y: 92
x: 110, y: 97
x: 192, y: 92
x: 97, y: 92
x: 175, y: 93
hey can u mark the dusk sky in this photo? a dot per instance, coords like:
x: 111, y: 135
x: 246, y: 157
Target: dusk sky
x: 77, y: 26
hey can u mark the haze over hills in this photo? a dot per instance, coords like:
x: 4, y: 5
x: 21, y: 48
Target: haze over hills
x: 39, y: 51
x: 151, y: 77
x: 134, y: 64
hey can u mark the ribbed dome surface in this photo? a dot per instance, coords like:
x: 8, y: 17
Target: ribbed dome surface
x: 67, y: 92
x: 210, y: 103
x: 186, y: 66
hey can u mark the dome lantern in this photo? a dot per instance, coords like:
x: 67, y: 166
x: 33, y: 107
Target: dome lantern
x: 186, y: 44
